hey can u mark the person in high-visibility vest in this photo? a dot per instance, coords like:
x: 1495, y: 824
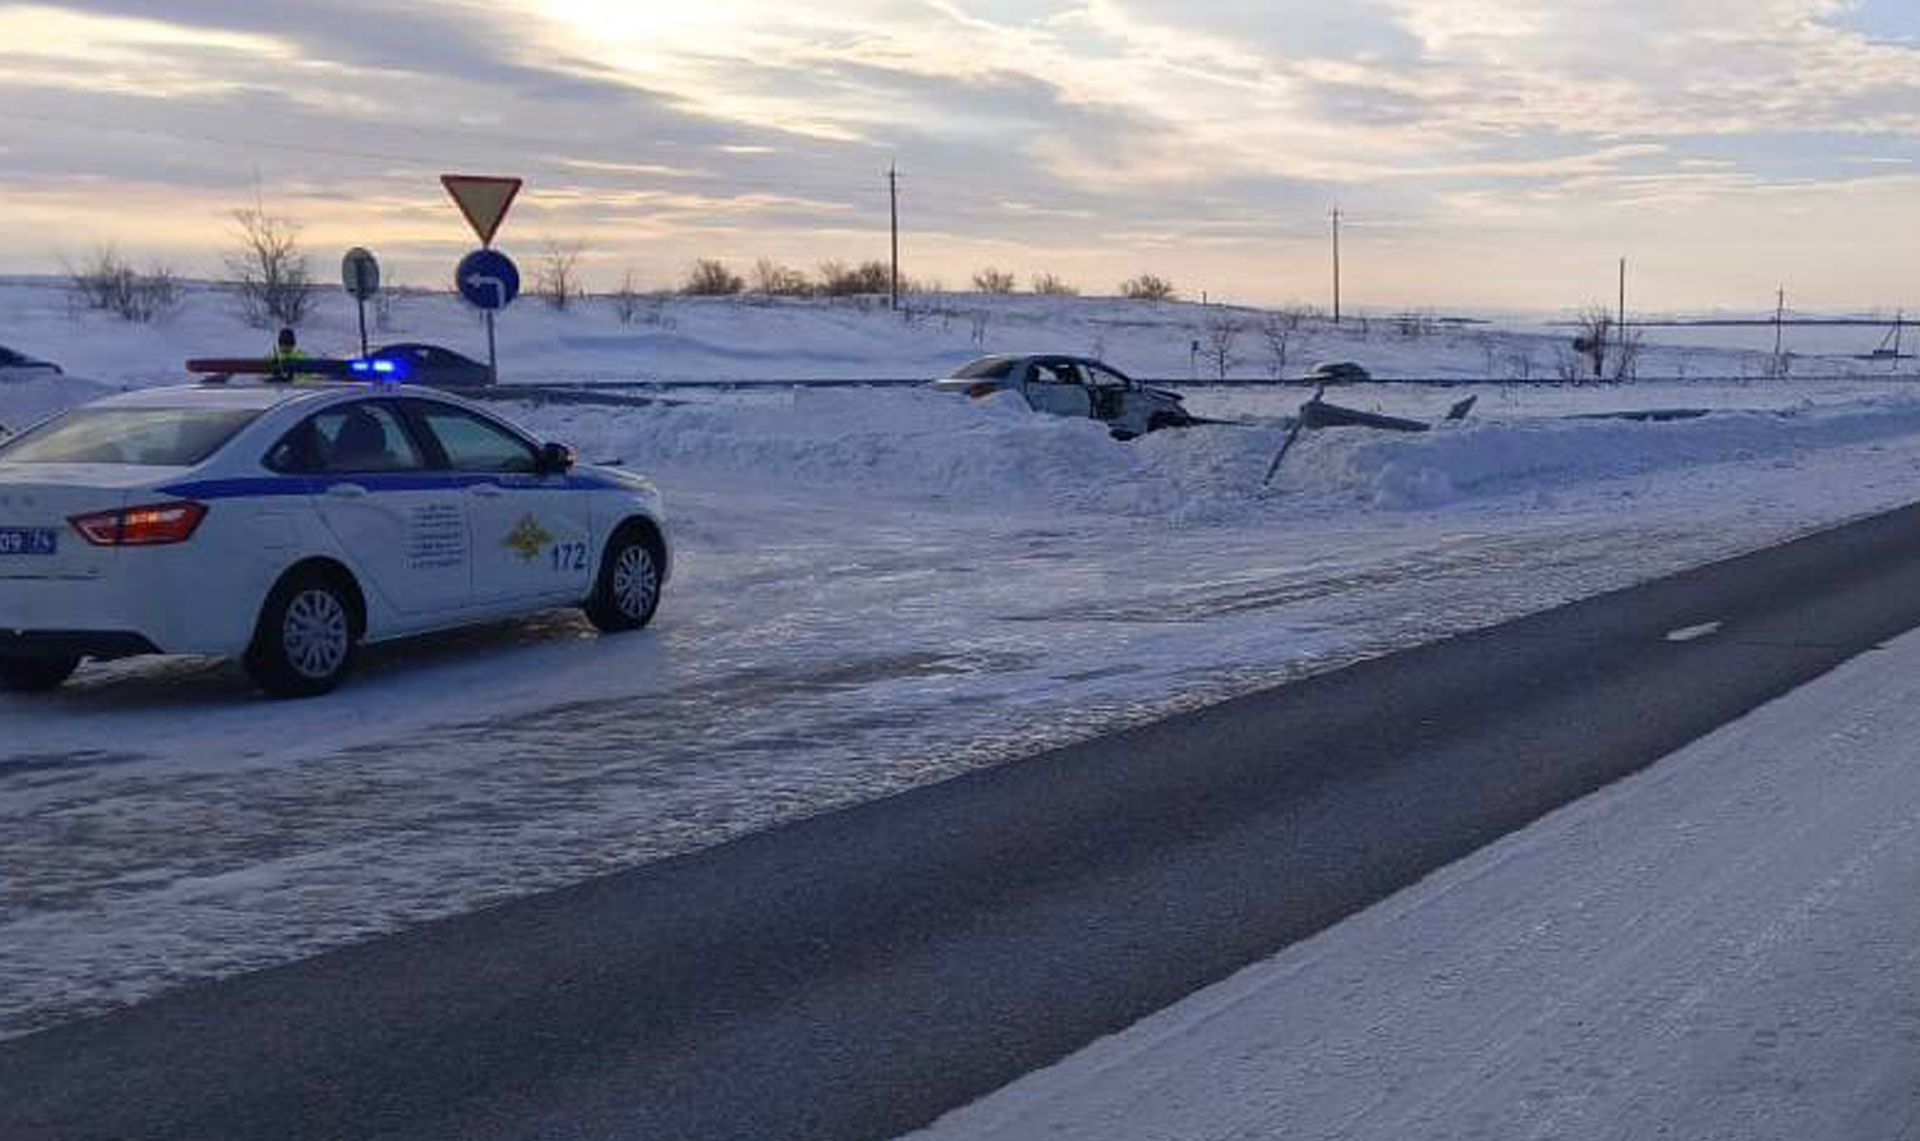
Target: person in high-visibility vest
x: 285, y: 355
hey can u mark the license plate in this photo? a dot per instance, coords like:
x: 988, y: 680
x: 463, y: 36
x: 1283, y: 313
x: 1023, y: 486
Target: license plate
x: 29, y: 540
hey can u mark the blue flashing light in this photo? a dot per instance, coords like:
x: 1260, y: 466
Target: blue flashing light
x: 378, y: 368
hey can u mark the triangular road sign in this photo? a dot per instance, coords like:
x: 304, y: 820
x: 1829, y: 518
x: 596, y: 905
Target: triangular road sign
x: 482, y: 199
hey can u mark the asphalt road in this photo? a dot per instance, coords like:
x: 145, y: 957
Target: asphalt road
x: 854, y: 975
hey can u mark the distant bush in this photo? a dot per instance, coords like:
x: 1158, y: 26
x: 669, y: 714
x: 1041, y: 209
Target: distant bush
x: 1048, y: 285
x: 710, y: 278
x: 108, y: 284
x: 837, y: 280
x: 1148, y: 287
x: 991, y: 280
x: 776, y: 280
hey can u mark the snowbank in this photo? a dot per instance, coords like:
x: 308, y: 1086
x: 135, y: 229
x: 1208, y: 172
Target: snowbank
x: 926, y: 445
x: 1491, y: 458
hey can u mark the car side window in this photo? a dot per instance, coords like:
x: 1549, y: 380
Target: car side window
x: 1056, y: 372
x: 359, y: 437
x: 1104, y: 378
x: 475, y: 444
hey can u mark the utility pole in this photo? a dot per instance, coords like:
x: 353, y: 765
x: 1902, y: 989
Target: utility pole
x: 893, y: 210
x: 1779, y: 320
x: 1623, y: 297
x: 1336, y: 265
x: 1622, y: 321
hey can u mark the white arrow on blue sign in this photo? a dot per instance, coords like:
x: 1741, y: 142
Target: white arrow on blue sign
x: 488, y: 279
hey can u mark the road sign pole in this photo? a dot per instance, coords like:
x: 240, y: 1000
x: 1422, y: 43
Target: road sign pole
x: 363, y: 325
x: 493, y: 359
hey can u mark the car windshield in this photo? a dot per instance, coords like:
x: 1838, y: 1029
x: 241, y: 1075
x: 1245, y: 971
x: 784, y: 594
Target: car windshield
x: 989, y: 369
x: 155, y: 437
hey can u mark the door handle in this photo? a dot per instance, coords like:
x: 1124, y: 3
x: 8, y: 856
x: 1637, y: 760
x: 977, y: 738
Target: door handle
x: 487, y: 490
x: 347, y: 491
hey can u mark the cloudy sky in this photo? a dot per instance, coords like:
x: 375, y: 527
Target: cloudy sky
x: 1487, y: 152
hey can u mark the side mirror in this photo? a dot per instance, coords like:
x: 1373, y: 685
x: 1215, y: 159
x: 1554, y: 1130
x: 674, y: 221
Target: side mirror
x: 554, y: 459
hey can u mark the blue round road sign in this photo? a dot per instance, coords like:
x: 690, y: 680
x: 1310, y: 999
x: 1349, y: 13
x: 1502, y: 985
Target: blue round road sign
x: 488, y: 279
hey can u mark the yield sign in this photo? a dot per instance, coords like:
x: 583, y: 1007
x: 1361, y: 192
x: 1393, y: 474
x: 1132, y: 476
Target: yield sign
x: 483, y: 200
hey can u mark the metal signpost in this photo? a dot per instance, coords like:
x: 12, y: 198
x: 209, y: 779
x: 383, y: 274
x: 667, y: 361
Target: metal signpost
x: 360, y: 273
x: 487, y: 278
x: 489, y: 281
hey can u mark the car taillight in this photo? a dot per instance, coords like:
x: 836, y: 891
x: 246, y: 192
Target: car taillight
x: 149, y: 526
x: 984, y: 388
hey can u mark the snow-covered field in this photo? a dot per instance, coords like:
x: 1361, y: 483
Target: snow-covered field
x: 878, y: 588
x: 1722, y: 948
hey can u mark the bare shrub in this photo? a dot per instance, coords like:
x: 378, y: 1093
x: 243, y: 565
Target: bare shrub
x: 710, y: 278
x: 556, y: 278
x: 991, y: 280
x: 273, y: 276
x: 1148, y: 287
x: 869, y: 277
x: 107, y: 283
x: 1626, y: 356
x: 1221, y: 338
x: 1567, y: 365
x: 387, y: 304
x: 1593, y: 336
x: 1051, y: 285
x: 776, y: 280
x: 1277, y: 333
x: 627, y: 300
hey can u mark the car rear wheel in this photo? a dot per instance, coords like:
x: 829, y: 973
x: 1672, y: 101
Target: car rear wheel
x: 37, y: 675
x: 628, y: 590
x: 308, y: 632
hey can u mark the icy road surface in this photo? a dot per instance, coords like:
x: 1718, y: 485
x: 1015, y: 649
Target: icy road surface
x: 1722, y: 948
x: 874, y: 592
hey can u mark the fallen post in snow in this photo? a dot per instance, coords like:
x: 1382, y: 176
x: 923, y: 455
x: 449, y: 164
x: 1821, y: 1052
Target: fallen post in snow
x: 1317, y: 413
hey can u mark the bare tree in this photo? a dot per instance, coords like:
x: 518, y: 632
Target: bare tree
x: 1277, y: 331
x: 1148, y: 287
x: 710, y: 278
x: 1051, y: 285
x: 274, y: 279
x: 1594, y: 336
x: 991, y: 280
x: 1222, y: 337
x: 557, y: 277
x: 626, y: 300
x: 776, y: 280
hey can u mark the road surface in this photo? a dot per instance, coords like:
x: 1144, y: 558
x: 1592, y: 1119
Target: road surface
x: 856, y: 974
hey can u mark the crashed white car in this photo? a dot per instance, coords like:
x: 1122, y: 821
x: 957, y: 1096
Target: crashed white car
x: 289, y: 524
x: 1073, y: 386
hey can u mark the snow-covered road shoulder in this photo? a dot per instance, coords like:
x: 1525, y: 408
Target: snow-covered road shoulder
x: 1723, y: 947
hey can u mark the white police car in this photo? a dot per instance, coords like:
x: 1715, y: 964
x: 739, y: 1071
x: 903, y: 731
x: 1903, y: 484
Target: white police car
x: 288, y: 524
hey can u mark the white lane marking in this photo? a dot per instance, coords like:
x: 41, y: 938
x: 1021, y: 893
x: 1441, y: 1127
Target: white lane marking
x: 1689, y: 633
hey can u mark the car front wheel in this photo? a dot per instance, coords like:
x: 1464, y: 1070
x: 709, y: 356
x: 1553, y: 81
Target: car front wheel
x: 36, y: 675
x: 305, y: 642
x: 628, y: 589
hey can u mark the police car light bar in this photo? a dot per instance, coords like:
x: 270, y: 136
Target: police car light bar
x: 378, y: 369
